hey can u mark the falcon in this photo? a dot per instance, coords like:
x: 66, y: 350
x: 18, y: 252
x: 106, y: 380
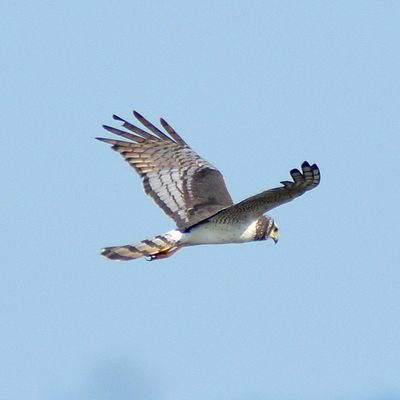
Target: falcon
x: 193, y: 193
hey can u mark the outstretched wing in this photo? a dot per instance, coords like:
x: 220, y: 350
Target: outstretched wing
x: 184, y: 185
x: 259, y: 204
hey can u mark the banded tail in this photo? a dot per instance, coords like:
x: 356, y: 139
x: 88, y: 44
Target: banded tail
x: 161, y: 246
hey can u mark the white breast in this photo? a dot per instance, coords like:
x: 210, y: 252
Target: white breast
x: 212, y: 233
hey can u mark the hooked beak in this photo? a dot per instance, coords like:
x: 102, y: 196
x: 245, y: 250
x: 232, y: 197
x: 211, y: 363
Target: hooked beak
x: 275, y: 236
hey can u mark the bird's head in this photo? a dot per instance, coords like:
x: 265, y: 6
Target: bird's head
x: 272, y: 231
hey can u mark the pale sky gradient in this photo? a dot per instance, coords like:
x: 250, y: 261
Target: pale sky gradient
x: 256, y: 88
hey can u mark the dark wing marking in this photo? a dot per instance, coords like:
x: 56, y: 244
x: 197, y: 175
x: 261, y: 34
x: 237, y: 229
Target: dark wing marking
x: 265, y: 201
x: 184, y: 185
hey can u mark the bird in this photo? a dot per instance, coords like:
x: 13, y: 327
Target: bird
x: 193, y: 193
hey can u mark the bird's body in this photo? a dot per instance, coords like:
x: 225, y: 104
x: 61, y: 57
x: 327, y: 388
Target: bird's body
x: 193, y: 193
x: 214, y: 232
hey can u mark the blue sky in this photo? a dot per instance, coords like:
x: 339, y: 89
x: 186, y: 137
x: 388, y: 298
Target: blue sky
x: 255, y: 88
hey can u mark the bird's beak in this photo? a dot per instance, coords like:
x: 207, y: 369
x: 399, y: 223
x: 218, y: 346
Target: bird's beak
x: 275, y: 236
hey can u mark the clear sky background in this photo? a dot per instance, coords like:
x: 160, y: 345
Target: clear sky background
x: 256, y: 88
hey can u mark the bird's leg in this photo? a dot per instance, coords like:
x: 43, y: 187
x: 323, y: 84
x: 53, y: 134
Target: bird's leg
x: 163, y: 254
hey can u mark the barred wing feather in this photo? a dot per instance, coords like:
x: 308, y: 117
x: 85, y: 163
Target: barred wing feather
x: 185, y: 186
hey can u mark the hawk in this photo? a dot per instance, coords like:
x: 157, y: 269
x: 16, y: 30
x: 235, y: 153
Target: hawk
x: 192, y: 192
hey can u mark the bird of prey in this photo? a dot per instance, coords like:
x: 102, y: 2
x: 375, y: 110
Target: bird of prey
x: 192, y: 192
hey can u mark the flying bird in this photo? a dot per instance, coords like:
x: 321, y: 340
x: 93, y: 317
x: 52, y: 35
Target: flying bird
x: 193, y: 193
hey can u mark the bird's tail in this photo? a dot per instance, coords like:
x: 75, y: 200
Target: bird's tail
x: 161, y: 246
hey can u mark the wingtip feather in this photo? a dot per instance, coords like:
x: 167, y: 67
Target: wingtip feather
x: 118, y: 118
x: 137, y: 115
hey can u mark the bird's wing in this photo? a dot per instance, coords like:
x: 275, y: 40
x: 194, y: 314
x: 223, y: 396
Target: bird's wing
x: 184, y: 185
x: 259, y: 204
